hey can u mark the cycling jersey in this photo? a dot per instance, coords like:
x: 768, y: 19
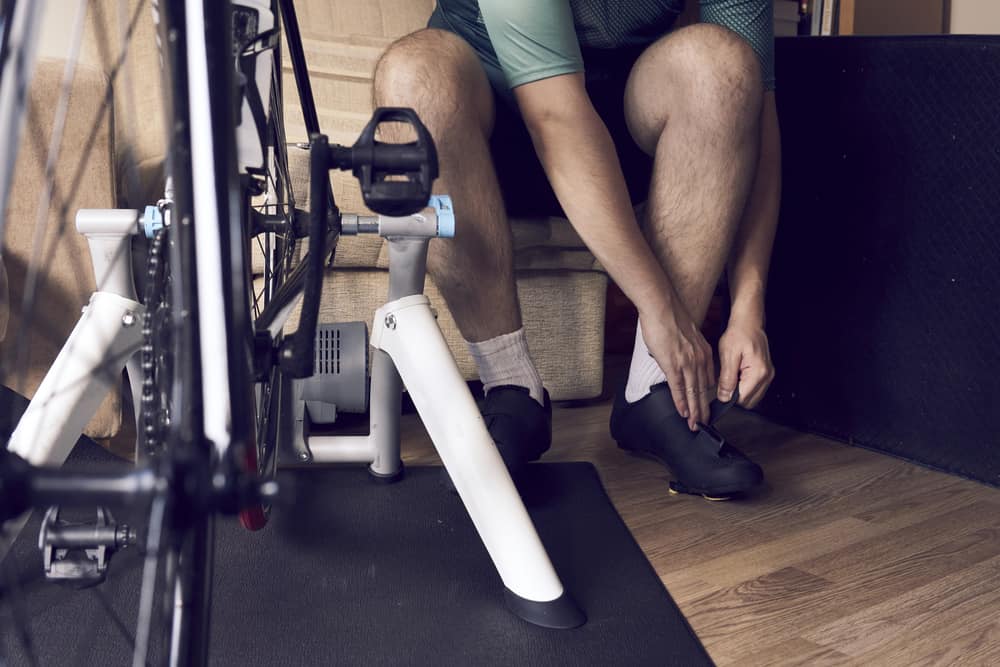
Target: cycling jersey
x: 528, y: 40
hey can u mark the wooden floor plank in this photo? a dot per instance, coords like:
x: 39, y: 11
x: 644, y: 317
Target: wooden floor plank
x: 913, y: 544
x: 978, y: 646
x: 898, y: 626
x: 793, y: 653
x: 752, y: 562
x: 757, y: 614
x: 774, y: 614
x: 684, y: 541
x: 681, y: 592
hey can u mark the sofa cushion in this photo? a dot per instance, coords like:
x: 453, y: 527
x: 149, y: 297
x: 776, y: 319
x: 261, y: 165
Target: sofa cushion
x: 563, y: 314
x: 139, y: 134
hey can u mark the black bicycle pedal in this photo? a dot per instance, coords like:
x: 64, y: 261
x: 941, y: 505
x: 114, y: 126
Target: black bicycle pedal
x: 78, y: 554
x: 396, y: 179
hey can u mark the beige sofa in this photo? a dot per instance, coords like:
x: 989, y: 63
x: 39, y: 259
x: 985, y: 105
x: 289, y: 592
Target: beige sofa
x: 561, y: 288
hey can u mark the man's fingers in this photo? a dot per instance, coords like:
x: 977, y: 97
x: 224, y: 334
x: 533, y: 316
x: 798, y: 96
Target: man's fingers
x: 729, y: 376
x: 706, y: 404
x: 692, y: 387
x: 705, y: 392
x: 708, y: 388
x: 753, y: 386
x: 748, y: 394
x: 676, y: 383
x: 749, y: 381
x: 754, y: 398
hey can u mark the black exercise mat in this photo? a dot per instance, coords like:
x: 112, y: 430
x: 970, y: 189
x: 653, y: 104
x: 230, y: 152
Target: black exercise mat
x: 359, y: 573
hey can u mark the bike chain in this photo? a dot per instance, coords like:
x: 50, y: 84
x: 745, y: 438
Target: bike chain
x: 153, y: 410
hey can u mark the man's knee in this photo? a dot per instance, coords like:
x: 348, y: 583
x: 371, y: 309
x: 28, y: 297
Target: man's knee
x: 720, y: 71
x: 436, y: 73
x: 704, y: 71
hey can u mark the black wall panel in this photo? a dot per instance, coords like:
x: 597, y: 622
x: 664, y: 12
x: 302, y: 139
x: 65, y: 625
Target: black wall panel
x: 884, y: 304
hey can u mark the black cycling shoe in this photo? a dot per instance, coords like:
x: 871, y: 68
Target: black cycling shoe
x: 519, y: 426
x: 702, y: 462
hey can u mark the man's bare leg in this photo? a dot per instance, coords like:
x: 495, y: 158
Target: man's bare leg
x: 693, y: 101
x: 437, y: 74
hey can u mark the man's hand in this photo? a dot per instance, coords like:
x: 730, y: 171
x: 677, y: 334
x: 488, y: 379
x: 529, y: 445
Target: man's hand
x: 746, y: 359
x: 580, y: 160
x: 685, y: 358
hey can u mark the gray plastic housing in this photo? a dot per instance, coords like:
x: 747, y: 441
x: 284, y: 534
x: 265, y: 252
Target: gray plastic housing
x: 340, y: 379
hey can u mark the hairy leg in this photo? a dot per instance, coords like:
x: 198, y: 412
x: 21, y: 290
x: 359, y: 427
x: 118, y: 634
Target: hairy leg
x: 693, y: 101
x: 437, y: 74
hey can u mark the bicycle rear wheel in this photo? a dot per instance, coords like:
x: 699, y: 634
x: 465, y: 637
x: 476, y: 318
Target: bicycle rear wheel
x: 181, y: 424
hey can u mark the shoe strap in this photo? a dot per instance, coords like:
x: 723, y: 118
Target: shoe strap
x: 718, y: 408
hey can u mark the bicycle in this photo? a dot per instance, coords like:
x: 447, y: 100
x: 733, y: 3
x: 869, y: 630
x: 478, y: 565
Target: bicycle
x: 214, y: 356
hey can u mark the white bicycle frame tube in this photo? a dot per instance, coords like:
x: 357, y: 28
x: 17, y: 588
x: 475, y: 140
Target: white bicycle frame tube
x: 108, y: 334
x: 86, y: 369
x: 208, y: 244
x: 406, y: 330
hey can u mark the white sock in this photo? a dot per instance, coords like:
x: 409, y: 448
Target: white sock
x: 643, y: 372
x: 505, y: 360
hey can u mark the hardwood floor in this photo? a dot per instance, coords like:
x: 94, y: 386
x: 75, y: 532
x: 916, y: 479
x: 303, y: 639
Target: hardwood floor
x: 847, y: 557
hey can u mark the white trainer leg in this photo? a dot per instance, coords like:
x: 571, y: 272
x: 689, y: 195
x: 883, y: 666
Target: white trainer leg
x: 406, y: 330
x: 85, y: 370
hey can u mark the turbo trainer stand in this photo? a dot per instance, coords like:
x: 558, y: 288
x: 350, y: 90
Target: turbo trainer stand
x: 410, y: 350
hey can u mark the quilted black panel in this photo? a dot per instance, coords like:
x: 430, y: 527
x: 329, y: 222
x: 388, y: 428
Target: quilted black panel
x: 884, y: 306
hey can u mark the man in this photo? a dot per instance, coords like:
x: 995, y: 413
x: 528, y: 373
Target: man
x: 618, y: 108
